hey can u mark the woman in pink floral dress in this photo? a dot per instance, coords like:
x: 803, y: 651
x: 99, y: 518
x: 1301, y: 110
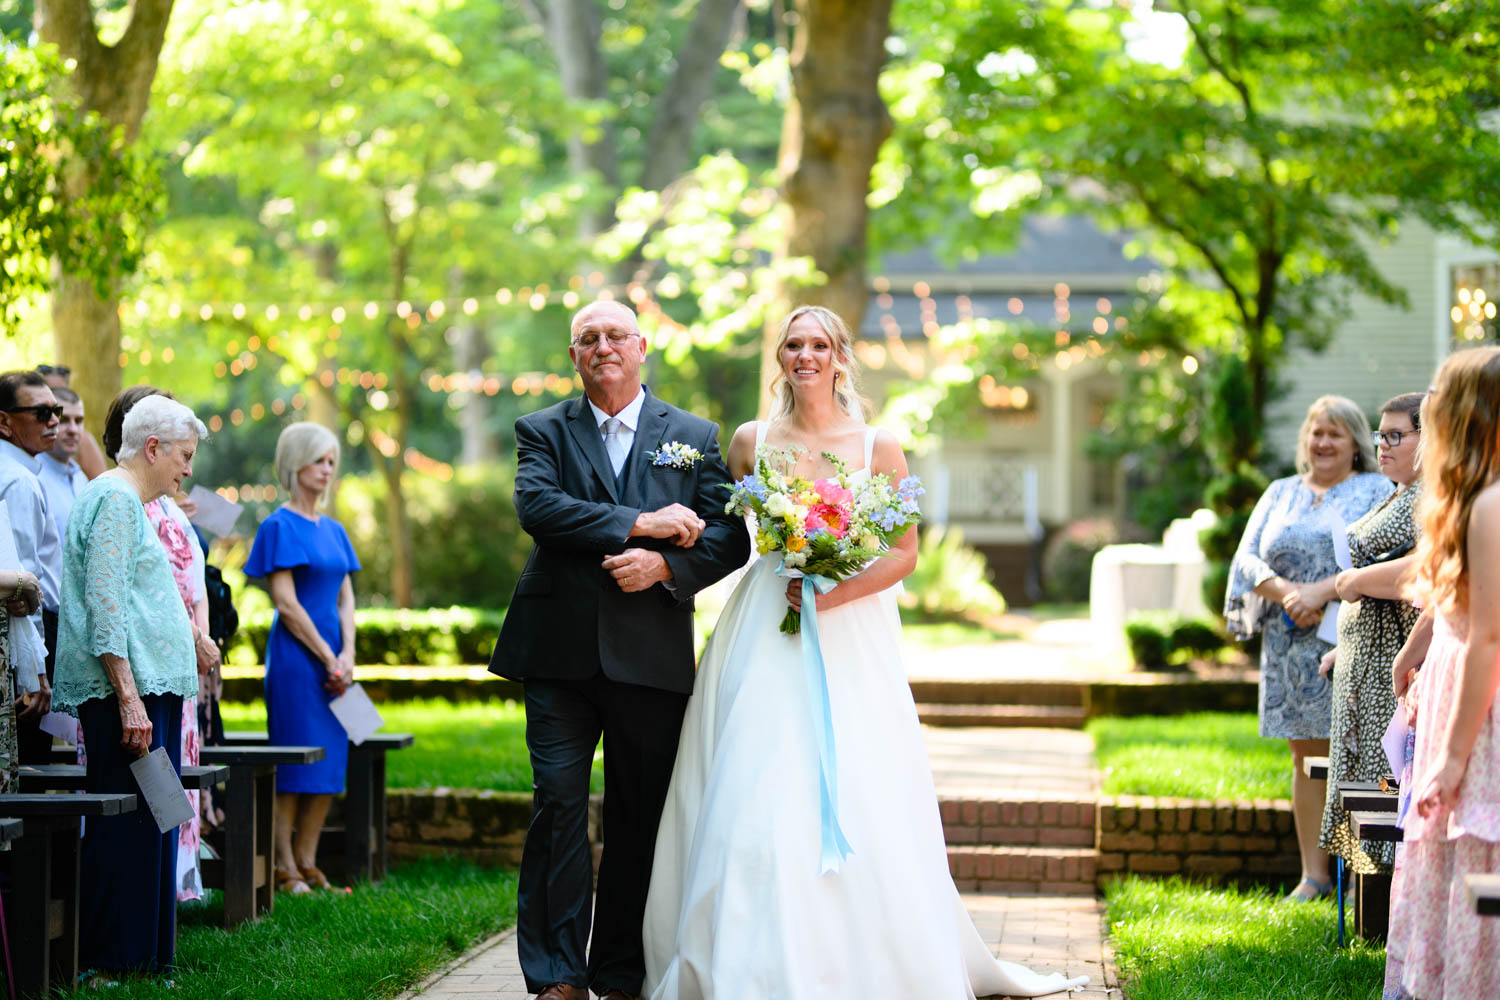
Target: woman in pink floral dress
x: 1445, y: 950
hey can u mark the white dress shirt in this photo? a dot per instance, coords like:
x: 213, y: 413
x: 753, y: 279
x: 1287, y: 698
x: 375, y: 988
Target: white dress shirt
x: 629, y: 418
x: 31, y: 524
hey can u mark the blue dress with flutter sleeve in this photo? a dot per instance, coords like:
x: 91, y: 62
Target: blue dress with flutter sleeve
x: 319, y: 556
x: 1288, y: 536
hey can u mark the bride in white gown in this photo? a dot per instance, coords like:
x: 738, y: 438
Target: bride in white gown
x: 738, y: 909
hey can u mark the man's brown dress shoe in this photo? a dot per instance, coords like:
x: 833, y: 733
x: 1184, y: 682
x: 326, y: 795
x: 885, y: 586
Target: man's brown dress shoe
x: 563, y: 991
x: 617, y: 995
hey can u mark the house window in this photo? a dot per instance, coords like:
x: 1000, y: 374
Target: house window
x: 1475, y: 289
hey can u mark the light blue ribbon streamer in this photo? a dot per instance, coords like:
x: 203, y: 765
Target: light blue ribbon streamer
x: 834, y: 847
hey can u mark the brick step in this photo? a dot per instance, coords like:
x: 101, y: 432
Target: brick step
x: 998, y: 692
x: 1062, y: 871
x: 1010, y: 716
x: 1035, y: 821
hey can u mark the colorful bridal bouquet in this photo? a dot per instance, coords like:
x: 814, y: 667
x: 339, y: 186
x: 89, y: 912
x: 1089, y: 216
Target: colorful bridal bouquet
x: 830, y: 528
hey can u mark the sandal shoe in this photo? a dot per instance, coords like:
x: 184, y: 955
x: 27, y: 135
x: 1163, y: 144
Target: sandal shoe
x: 314, y: 877
x: 289, y: 881
x: 1320, y: 889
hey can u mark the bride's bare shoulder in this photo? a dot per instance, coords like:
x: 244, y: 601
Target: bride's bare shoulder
x: 741, y: 457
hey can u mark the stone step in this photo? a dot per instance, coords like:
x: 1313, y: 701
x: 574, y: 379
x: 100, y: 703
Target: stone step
x: 1060, y: 871
x: 998, y: 692
x: 1032, y: 821
x: 1044, y: 716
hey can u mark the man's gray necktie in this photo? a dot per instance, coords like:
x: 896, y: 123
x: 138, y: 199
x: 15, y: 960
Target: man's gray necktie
x: 613, y: 446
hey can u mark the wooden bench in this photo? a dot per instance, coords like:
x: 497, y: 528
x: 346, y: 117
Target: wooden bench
x: 1366, y: 796
x: 1372, y: 893
x: 71, y: 777
x: 365, y: 855
x: 1315, y: 768
x: 246, y: 867
x: 1484, y: 894
x: 41, y: 908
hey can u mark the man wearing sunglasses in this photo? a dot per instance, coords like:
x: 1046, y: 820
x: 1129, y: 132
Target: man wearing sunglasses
x: 29, y: 418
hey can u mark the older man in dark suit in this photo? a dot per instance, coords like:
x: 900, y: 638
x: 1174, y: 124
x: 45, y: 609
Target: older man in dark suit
x: 623, y: 497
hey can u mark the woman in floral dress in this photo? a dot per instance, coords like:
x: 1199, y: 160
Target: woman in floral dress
x: 1282, y: 579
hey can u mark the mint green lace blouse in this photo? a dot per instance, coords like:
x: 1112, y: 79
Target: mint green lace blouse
x: 118, y: 596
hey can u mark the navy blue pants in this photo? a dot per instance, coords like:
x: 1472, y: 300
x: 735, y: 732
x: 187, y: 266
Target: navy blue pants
x: 564, y: 721
x: 128, y: 872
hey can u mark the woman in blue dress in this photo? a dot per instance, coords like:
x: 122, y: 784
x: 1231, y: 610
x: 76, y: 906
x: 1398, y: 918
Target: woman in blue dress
x: 305, y: 558
x: 1281, y: 585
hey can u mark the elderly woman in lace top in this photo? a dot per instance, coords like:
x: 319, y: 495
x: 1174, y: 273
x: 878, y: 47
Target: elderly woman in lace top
x: 1282, y: 583
x: 125, y: 662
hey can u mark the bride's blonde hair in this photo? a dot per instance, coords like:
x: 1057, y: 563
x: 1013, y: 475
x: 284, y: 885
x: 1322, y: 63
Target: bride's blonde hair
x: 845, y: 395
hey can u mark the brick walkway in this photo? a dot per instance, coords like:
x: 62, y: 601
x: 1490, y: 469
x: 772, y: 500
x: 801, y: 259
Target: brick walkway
x: 1047, y: 933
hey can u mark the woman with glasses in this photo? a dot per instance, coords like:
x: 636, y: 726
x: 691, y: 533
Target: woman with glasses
x: 1373, y: 625
x: 1282, y: 582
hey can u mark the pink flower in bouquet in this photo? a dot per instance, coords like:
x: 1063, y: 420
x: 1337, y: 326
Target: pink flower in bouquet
x: 827, y: 517
x: 831, y: 492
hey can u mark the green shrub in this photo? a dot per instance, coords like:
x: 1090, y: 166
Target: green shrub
x: 950, y: 579
x: 1159, y: 640
x: 1149, y: 637
x: 430, y: 637
x: 1195, y: 635
x: 1068, y: 559
x: 469, y: 545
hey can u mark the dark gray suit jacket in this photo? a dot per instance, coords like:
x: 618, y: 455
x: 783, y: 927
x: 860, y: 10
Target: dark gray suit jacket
x: 568, y: 618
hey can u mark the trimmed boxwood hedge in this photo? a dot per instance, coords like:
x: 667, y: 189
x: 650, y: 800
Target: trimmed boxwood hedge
x: 430, y: 636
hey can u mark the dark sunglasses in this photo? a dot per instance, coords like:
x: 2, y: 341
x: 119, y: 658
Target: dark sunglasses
x: 41, y: 411
x: 62, y: 370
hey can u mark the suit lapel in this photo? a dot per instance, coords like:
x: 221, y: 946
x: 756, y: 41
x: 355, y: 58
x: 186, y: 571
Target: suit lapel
x: 648, y: 434
x: 586, y: 434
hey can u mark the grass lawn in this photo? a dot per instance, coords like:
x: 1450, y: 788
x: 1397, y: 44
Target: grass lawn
x: 374, y: 942
x: 478, y: 744
x: 936, y: 635
x: 1179, y: 941
x: 1205, y: 755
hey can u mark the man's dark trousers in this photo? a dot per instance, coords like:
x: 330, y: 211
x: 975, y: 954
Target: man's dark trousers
x: 35, y: 746
x: 564, y: 721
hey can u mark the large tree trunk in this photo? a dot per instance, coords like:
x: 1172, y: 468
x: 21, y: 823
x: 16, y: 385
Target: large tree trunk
x: 670, y: 141
x: 834, y: 127
x: 115, y: 81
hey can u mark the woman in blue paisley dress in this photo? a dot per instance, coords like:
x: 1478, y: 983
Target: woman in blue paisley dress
x: 1281, y: 582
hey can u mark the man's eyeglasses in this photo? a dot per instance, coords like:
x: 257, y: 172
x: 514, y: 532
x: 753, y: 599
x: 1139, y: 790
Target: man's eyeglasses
x: 617, y: 339
x: 1391, y: 439
x: 62, y: 370
x: 41, y: 411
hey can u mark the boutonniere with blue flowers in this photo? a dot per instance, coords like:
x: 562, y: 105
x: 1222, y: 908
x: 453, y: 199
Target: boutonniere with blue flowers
x: 675, y: 455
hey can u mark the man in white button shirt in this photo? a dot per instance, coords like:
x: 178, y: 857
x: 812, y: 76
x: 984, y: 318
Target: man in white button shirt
x: 61, y: 477
x: 28, y: 426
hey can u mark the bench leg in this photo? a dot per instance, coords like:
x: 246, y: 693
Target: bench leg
x: 377, y: 793
x: 27, y: 908
x: 265, y: 840
x: 1372, y: 906
x: 358, y: 813
x: 239, y: 846
x: 65, y: 885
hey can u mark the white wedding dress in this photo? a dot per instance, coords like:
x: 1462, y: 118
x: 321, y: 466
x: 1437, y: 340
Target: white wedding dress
x: 737, y: 908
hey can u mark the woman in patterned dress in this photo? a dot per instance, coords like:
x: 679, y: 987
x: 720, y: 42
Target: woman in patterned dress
x: 22, y: 595
x: 1446, y: 950
x: 1281, y: 580
x: 1372, y: 628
